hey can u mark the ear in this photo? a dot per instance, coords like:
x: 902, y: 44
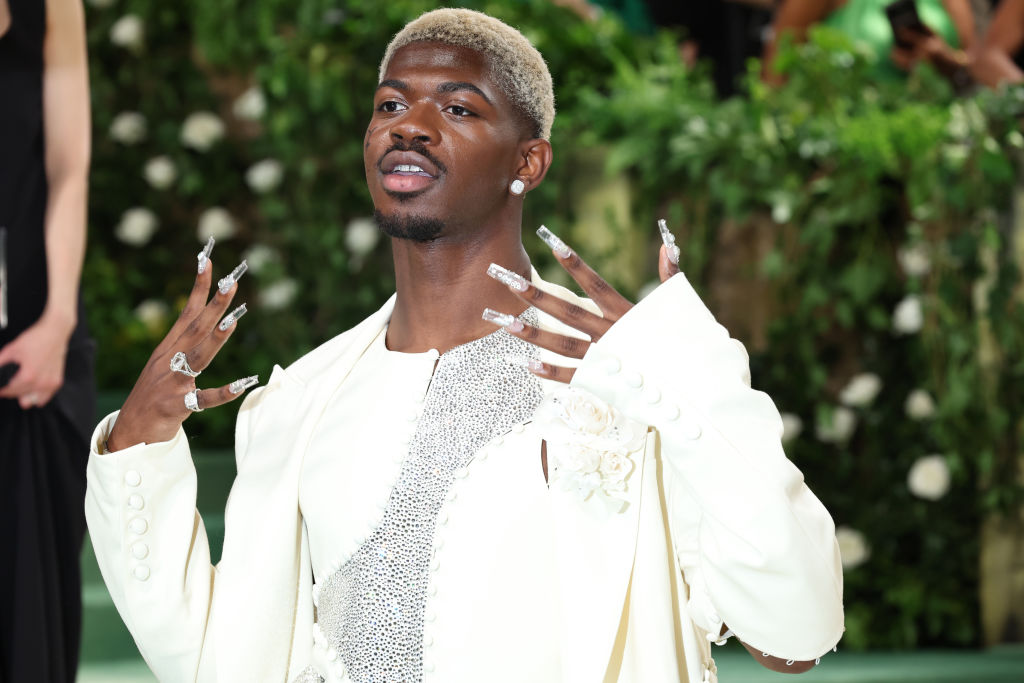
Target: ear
x: 535, y: 156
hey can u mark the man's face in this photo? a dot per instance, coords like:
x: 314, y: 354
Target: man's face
x: 442, y: 144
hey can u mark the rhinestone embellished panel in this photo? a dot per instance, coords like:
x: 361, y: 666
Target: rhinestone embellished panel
x: 371, y: 610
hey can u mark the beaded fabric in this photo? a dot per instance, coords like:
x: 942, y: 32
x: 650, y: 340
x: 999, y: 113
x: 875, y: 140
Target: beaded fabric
x: 371, y: 610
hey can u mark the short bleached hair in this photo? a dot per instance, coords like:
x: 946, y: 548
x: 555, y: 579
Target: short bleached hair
x: 516, y: 65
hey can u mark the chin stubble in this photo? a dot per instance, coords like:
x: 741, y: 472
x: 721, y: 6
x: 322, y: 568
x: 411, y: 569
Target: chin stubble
x: 409, y: 227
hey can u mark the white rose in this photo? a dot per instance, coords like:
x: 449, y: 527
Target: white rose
x: 102, y: 4
x: 264, y: 176
x: 361, y: 236
x: 217, y: 223
x: 588, y: 414
x: 250, y: 105
x: 128, y: 32
x: 929, y: 477
x: 160, y: 172
x: 914, y: 260
x: 279, y: 295
x: 128, y: 127
x: 577, y: 458
x: 614, y: 468
x: 853, y: 547
x: 153, y: 314
x: 919, y: 405
x: 908, y: 317
x: 259, y: 256
x: 792, y: 426
x: 861, y: 390
x: 136, y: 227
x: 840, y: 429
x: 201, y: 130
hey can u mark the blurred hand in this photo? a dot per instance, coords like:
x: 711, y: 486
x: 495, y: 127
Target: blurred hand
x: 40, y: 352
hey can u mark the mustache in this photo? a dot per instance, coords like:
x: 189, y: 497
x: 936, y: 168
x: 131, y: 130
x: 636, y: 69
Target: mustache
x: 414, y: 146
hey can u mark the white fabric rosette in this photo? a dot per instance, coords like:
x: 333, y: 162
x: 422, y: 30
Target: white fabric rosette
x: 592, y: 444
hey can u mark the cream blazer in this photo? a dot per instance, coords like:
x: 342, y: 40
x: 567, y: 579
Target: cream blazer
x: 717, y: 526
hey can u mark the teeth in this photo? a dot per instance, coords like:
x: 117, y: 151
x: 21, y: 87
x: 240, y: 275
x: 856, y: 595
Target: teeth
x: 408, y: 168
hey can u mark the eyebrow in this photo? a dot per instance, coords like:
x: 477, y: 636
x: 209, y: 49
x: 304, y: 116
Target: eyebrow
x: 447, y: 87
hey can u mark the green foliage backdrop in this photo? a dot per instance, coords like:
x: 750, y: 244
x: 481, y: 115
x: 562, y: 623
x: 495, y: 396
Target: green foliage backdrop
x: 882, y: 306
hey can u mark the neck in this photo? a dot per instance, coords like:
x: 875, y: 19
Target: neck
x: 443, y: 288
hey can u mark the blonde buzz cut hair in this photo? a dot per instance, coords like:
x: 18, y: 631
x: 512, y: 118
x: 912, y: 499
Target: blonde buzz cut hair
x: 516, y: 65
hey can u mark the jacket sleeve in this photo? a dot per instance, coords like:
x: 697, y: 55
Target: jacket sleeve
x: 757, y: 548
x: 152, y: 549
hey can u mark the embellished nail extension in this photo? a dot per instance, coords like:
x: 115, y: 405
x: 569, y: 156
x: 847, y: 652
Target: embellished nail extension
x: 204, y: 256
x: 531, y: 364
x: 560, y: 248
x: 507, y: 277
x: 232, y: 317
x: 506, y: 320
x: 669, y: 240
x: 228, y: 280
x: 240, y: 385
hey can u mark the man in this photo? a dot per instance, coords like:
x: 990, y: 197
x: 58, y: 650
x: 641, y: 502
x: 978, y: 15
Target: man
x: 423, y: 497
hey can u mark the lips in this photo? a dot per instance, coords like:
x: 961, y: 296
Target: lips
x: 407, y: 171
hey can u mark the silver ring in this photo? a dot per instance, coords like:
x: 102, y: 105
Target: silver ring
x: 32, y: 399
x: 179, y: 363
x: 192, y: 401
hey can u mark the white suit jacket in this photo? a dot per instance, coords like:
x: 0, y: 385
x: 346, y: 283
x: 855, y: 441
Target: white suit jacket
x: 718, y: 526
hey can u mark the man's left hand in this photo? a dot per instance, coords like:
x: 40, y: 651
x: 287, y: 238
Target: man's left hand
x: 611, y: 303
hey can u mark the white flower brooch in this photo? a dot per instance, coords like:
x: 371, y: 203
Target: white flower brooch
x: 591, y: 443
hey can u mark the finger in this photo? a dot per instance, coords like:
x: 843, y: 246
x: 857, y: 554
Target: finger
x: 202, y: 354
x: 557, y: 373
x: 666, y: 268
x: 561, y: 344
x: 193, y: 307
x: 18, y: 386
x: 204, y: 323
x: 212, y: 398
x: 612, y: 304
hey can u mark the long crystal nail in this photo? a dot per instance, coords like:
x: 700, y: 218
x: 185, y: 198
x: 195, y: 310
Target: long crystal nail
x: 204, y: 255
x: 507, y: 277
x: 669, y: 240
x: 525, y: 362
x: 240, y: 385
x: 230, y: 279
x: 506, y: 320
x: 560, y: 248
x: 232, y: 317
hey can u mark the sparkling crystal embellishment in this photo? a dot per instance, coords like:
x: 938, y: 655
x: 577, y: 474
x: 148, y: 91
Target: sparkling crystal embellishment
x: 372, y: 609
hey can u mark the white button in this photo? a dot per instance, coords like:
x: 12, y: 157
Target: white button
x: 438, y: 543
x: 462, y: 473
x: 332, y: 654
x: 518, y: 428
x: 634, y: 379
x: 442, y: 518
x: 652, y: 395
x: 414, y: 416
x: 691, y: 431
x: 450, y: 496
x: 135, y: 502
x: 430, y: 615
x: 611, y: 365
x: 141, y: 572
x: 140, y: 550
x: 428, y: 640
x: 498, y: 441
x: 671, y: 412
x: 138, y: 525
x: 432, y: 591
x: 428, y: 667
x: 132, y: 478
x: 482, y: 455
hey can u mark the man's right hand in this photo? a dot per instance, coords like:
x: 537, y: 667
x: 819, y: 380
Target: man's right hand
x: 156, y: 407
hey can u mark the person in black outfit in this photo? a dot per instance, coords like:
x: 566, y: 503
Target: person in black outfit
x: 46, y: 356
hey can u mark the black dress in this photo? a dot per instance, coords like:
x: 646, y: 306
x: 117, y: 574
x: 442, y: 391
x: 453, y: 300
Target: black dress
x: 43, y: 451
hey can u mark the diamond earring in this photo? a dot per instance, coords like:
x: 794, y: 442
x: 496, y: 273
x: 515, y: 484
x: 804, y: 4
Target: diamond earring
x: 517, y: 187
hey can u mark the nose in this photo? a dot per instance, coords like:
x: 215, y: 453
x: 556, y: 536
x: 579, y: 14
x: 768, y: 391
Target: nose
x: 416, y: 125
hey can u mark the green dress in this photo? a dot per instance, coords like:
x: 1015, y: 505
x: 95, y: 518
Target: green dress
x: 866, y: 23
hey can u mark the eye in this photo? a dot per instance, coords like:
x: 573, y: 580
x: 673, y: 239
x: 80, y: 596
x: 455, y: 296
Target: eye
x: 458, y: 110
x: 390, y: 106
